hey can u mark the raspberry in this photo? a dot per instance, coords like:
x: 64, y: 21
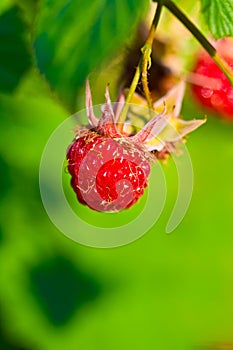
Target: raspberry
x: 107, y: 175
x: 211, y: 87
x: 110, y: 169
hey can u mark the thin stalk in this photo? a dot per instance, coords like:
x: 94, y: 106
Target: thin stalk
x: 142, y: 68
x: 145, y: 85
x: 147, y: 50
x: 124, y: 111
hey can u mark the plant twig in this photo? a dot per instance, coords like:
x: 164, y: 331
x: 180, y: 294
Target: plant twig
x: 146, y: 51
x: 141, y: 70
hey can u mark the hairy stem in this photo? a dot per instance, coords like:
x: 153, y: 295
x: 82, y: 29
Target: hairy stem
x: 146, y: 51
x: 141, y: 70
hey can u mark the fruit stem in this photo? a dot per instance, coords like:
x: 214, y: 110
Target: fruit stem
x: 174, y: 9
x: 133, y: 86
x: 146, y: 54
x: 142, y: 69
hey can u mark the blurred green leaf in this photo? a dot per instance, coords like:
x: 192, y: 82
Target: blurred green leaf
x: 14, y: 53
x: 75, y: 36
x: 79, y: 288
x: 218, y: 15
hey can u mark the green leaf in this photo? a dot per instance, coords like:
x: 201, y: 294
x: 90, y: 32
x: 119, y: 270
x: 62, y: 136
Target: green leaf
x: 75, y: 36
x: 218, y: 15
x: 15, y: 58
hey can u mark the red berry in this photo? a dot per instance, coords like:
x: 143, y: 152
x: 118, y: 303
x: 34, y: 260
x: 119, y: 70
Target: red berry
x: 210, y: 85
x: 107, y: 174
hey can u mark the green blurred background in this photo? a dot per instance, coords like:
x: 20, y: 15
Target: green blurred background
x: 163, y: 291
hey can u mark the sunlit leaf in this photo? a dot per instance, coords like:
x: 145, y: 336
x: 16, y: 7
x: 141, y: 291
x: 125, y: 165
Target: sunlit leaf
x: 218, y: 15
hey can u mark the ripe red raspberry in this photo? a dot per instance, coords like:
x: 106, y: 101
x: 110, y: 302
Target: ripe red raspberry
x: 107, y: 174
x: 110, y: 170
x: 210, y: 86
